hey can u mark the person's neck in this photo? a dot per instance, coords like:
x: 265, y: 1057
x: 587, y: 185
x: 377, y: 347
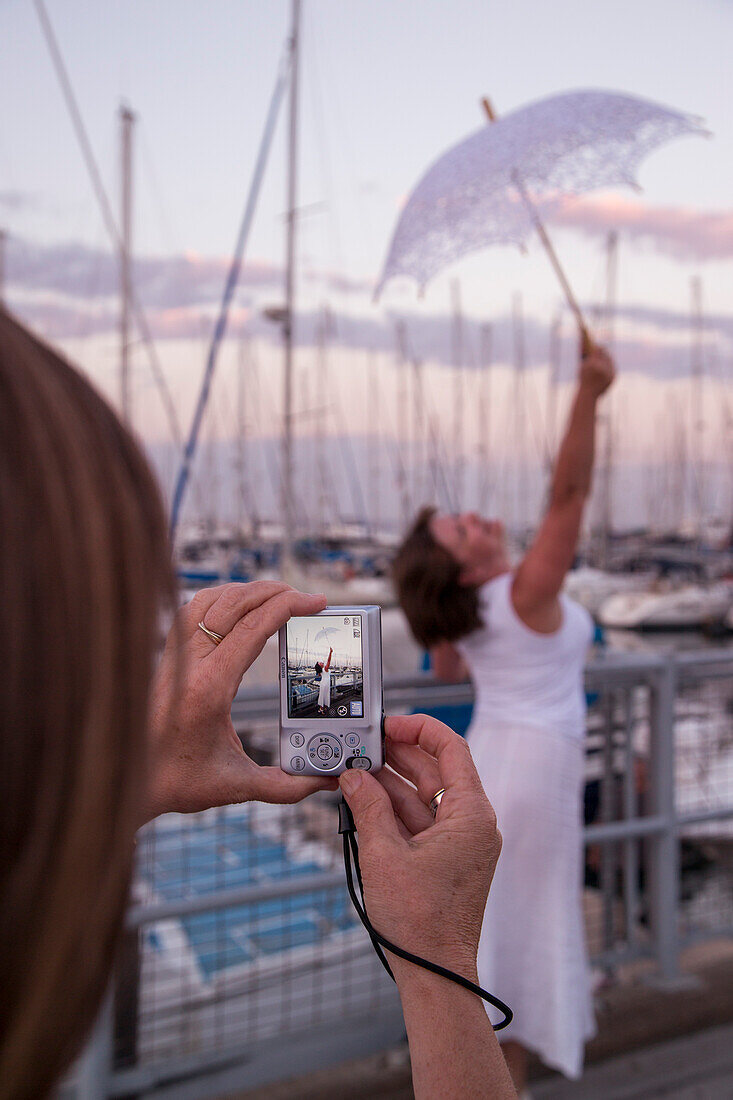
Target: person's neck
x: 490, y: 574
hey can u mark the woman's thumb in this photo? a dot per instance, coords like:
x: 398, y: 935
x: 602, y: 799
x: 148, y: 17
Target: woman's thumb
x: 370, y: 806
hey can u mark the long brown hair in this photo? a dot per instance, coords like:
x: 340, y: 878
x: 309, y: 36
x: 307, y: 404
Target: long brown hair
x: 426, y: 577
x: 84, y: 567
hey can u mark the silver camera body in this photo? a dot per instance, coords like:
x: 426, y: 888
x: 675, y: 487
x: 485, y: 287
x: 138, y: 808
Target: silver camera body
x: 331, y: 717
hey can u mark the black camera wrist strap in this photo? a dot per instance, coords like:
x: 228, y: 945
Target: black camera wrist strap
x: 351, y: 851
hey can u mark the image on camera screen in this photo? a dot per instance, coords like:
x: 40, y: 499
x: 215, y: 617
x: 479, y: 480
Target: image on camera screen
x: 325, y: 667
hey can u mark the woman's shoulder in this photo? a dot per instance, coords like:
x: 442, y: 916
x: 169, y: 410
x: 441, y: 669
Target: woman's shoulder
x: 494, y: 599
x: 497, y: 589
x: 577, y: 614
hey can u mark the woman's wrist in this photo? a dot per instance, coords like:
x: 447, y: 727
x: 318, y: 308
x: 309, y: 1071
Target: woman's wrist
x: 588, y: 390
x: 411, y: 978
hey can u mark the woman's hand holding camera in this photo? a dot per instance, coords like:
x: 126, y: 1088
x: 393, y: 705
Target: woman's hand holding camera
x: 197, y: 760
x: 425, y: 886
x: 425, y: 879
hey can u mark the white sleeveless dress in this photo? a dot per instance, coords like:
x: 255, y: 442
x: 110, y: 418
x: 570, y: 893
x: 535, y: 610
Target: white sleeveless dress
x: 527, y: 740
x: 324, y: 691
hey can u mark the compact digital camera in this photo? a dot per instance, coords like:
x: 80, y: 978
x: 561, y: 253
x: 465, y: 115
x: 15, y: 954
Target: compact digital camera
x: 331, y: 696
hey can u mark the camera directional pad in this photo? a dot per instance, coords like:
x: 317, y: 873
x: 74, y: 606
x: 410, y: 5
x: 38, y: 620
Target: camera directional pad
x: 325, y: 751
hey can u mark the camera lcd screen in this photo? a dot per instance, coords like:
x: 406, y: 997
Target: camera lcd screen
x: 325, y: 667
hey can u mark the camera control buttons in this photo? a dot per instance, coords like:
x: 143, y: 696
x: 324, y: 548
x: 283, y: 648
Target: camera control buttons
x: 325, y: 751
x: 362, y: 762
x: 296, y: 740
x: 352, y: 740
x: 297, y: 763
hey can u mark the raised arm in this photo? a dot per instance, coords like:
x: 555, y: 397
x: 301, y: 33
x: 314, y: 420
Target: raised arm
x: 328, y: 662
x: 541, y: 574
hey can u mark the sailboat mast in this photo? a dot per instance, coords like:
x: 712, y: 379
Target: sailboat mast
x: 520, y: 407
x: 457, y: 356
x: 681, y: 467
x: 3, y: 239
x: 247, y: 510
x: 696, y: 407
x: 607, y: 479
x: 323, y: 397
x: 414, y: 445
x: 374, y: 443
x: 418, y: 489
x: 256, y: 418
x: 400, y: 437
x: 288, y: 502
x: 127, y: 120
x: 484, y: 417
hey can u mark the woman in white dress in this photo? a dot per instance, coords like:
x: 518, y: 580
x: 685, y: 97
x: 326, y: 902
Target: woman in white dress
x: 523, y: 644
x: 324, y: 691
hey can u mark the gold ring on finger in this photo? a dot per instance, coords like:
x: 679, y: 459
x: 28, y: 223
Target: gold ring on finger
x: 436, y: 800
x: 216, y: 638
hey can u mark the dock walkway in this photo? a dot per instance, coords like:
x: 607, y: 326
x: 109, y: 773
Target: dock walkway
x: 676, y: 1045
x: 692, y: 1067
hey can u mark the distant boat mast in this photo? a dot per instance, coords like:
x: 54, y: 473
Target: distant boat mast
x: 483, y: 406
x: 127, y: 121
x: 699, y: 495
x: 288, y: 503
x: 3, y: 239
x: 458, y: 376
x: 230, y: 286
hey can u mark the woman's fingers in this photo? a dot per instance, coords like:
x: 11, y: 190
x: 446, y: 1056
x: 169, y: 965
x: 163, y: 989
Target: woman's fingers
x: 464, y: 799
x: 452, y: 755
x: 269, y: 784
x: 198, y: 607
x: 246, y: 638
x: 221, y: 613
x: 417, y: 766
x: 406, y: 802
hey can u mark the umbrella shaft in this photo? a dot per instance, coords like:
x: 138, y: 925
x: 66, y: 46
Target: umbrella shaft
x: 547, y: 244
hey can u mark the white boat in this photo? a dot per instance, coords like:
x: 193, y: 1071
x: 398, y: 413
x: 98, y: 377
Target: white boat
x: 593, y: 587
x: 360, y: 590
x: 690, y: 606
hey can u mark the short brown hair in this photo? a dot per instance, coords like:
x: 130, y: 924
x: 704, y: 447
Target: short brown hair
x: 437, y: 606
x: 84, y: 567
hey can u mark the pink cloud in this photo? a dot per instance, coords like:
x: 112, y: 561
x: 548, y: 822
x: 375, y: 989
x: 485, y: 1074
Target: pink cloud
x: 683, y: 232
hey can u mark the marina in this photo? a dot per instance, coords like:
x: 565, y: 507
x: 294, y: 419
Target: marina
x: 372, y: 303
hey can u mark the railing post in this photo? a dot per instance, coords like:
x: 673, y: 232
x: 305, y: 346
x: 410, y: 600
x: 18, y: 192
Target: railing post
x: 607, y: 861
x: 94, y: 1065
x: 663, y: 849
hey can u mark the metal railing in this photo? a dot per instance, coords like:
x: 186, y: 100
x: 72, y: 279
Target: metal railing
x: 236, y: 983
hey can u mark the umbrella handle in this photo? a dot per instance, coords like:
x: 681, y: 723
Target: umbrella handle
x: 585, y: 338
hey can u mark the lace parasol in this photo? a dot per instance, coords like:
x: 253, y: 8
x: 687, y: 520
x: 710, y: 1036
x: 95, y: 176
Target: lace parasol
x: 491, y: 187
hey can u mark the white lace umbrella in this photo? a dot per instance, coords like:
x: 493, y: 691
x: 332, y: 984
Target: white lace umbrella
x: 488, y: 188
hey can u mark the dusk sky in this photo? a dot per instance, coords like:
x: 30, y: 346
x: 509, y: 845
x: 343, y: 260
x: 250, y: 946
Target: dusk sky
x: 387, y: 86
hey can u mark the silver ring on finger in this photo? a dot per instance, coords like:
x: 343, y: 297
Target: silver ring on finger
x: 216, y: 638
x: 436, y: 800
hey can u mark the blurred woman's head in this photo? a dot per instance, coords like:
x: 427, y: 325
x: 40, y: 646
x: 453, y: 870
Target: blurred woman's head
x: 477, y: 545
x: 84, y: 570
x: 438, y: 569
x: 319, y: 667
